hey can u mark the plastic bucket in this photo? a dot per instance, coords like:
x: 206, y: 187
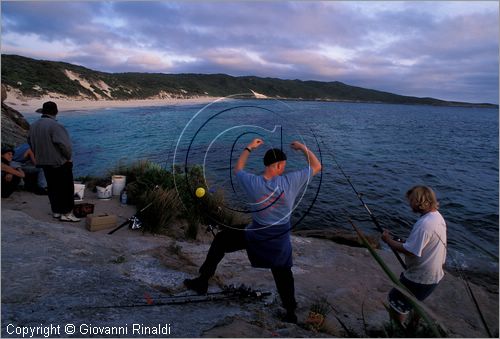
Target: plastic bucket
x: 79, y: 191
x: 104, y: 192
x: 119, y: 182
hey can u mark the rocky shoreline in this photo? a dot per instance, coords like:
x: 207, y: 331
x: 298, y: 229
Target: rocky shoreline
x: 58, y: 273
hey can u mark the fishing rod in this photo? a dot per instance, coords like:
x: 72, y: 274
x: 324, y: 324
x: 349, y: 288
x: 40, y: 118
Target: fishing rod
x: 228, y: 293
x: 473, y: 297
x: 360, y: 197
x: 467, y: 287
x: 134, y: 220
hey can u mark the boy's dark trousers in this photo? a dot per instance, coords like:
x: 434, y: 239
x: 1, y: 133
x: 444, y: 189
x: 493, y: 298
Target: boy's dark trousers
x: 231, y: 240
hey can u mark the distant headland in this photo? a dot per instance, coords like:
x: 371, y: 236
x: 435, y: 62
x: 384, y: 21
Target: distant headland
x: 30, y: 78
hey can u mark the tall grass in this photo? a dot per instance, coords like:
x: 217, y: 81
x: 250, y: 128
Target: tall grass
x: 172, y: 199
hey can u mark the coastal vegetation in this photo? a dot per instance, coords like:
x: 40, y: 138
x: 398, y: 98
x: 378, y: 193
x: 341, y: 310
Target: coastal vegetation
x: 167, y: 199
x: 35, y: 78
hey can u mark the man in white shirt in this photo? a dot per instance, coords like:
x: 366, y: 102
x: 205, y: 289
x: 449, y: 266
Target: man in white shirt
x: 424, y: 250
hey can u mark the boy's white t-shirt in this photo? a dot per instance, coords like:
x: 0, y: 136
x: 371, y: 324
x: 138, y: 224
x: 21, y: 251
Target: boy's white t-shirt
x: 427, y: 241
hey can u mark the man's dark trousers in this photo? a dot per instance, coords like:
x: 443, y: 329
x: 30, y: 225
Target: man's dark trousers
x: 231, y: 240
x: 60, y: 187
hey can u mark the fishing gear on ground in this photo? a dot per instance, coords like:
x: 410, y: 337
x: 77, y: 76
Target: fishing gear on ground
x: 212, y: 228
x: 228, y: 292
x: 134, y: 222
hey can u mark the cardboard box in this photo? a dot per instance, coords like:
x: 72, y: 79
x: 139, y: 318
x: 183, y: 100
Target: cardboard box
x: 100, y: 222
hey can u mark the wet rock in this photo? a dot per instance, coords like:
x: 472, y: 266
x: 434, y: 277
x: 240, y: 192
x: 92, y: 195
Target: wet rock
x: 343, y: 237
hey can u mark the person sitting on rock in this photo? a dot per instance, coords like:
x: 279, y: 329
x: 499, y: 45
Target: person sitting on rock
x: 11, y: 177
x: 24, y: 156
x: 424, y: 250
x: 267, y: 239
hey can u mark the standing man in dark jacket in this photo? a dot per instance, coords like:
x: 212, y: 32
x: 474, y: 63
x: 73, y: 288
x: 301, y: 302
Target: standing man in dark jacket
x: 51, y: 144
x: 267, y: 239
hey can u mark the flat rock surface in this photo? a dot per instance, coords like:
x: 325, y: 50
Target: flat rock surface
x: 56, y: 273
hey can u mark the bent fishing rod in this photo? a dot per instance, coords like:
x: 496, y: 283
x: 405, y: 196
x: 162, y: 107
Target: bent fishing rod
x: 373, y: 218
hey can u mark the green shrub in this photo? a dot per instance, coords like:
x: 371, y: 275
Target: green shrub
x: 173, y: 199
x: 160, y: 215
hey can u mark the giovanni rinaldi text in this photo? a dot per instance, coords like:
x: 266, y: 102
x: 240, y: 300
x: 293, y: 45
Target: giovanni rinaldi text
x: 47, y: 331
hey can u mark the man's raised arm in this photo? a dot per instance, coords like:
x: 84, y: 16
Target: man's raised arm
x: 313, y: 161
x: 246, y: 152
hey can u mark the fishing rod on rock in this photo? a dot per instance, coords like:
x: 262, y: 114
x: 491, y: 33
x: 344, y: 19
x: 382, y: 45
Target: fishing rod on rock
x: 360, y: 197
x: 242, y: 293
x: 134, y: 221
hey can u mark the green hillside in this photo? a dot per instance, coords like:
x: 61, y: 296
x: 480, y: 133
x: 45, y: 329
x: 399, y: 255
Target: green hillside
x: 37, y: 77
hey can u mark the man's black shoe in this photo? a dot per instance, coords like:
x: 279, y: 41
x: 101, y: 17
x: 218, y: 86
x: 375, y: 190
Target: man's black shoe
x: 199, y: 285
x: 290, y: 317
x: 40, y: 191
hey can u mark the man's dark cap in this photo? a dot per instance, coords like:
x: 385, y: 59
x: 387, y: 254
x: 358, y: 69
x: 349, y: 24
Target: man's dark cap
x: 48, y: 107
x: 274, y: 155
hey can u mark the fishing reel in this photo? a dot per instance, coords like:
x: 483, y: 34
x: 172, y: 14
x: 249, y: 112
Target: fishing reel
x: 135, y: 223
x: 212, y: 228
x: 244, y: 291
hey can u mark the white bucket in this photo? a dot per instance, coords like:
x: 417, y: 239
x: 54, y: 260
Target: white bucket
x: 104, y: 192
x: 119, y: 182
x: 79, y: 191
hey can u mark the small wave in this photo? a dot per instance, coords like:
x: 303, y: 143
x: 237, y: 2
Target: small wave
x: 452, y: 205
x: 493, y: 217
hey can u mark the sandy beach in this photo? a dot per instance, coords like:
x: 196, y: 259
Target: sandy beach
x: 31, y: 104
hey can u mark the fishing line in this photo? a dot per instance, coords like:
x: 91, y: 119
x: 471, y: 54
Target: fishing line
x: 360, y: 197
x: 168, y: 154
x: 281, y: 137
x: 468, y: 240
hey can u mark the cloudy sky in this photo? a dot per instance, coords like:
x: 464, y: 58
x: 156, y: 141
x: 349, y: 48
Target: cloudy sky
x: 442, y: 49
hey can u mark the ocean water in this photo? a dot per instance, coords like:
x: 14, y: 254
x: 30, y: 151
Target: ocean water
x: 384, y: 149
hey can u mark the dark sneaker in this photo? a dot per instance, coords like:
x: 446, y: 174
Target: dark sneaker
x: 41, y: 191
x: 290, y: 317
x: 199, y: 285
